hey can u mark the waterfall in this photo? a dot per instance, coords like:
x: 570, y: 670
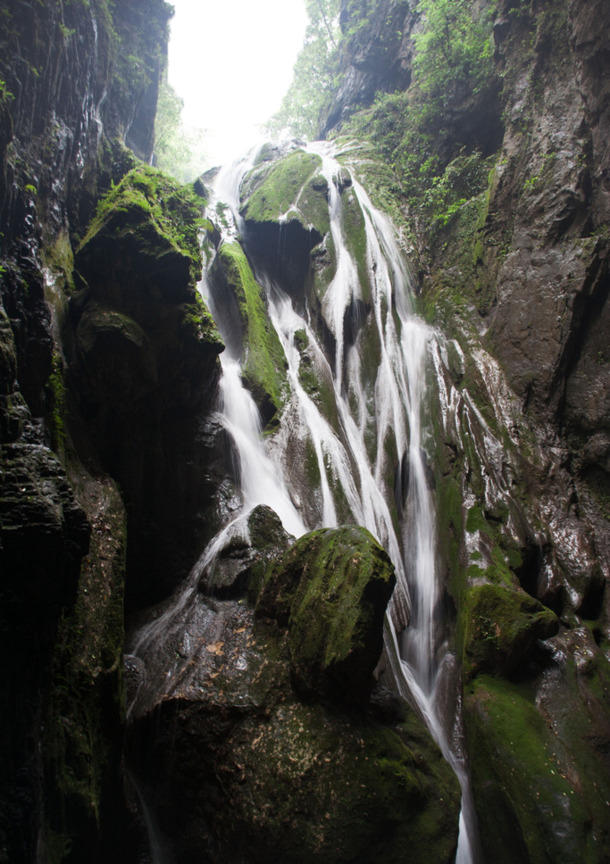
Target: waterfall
x: 345, y: 461
x: 375, y: 432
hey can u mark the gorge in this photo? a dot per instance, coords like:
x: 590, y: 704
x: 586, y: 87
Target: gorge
x: 304, y: 479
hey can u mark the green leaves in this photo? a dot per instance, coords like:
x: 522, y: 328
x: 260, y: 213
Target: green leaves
x: 314, y: 76
x: 179, y: 150
x: 455, y: 49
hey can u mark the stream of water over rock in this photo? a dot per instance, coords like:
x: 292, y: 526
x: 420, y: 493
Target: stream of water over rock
x: 375, y: 412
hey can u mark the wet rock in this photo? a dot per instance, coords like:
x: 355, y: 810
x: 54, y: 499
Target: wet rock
x: 240, y: 564
x: 502, y: 627
x: 285, y: 210
x: 233, y: 764
x: 331, y: 589
x: 144, y: 371
x: 241, y: 302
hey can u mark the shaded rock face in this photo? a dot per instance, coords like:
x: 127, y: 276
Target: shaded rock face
x: 286, y: 214
x: 331, y: 590
x: 518, y: 279
x: 234, y: 764
x: 143, y: 375
x: 69, y: 102
x: 377, y: 56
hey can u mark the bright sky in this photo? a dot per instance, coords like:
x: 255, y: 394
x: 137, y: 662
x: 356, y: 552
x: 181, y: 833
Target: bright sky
x: 231, y: 61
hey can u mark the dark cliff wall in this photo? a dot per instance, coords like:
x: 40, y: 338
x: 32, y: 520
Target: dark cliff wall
x: 502, y: 179
x: 97, y: 364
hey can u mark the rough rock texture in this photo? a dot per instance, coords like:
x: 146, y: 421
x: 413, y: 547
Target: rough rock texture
x: 143, y: 371
x: 78, y: 82
x: 285, y: 208
x: 331, y: 589
x: 234, y: 765
x: 240, y: 300
x: 515, y: 272
x: 377, y: 56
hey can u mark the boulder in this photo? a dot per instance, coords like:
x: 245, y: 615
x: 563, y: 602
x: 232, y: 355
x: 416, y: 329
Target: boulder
x: 331, y: 589
x: 244, y: 739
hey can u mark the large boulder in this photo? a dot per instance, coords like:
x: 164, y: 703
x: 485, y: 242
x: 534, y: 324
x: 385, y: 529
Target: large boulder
x: 245, y: 742
x: 143, y: 372
x: 285, y: 211
x: 331, y: 589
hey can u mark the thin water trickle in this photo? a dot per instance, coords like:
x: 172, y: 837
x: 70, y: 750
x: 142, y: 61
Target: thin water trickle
x: 259, y: 479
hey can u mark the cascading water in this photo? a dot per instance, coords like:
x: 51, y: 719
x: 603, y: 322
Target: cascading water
x: 373, y: 417
x: 343, y: 457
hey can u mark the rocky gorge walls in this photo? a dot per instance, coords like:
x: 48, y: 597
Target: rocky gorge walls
x: 103, y: 336
x: 261, y: 674
x: 505, y: 203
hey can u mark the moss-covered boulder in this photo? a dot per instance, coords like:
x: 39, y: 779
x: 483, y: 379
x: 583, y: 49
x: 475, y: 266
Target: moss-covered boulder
x: 240, y: 564
x: 285, y: 210
x: 152, y: 224
x: 143, y: 369
x: 331, y: 589
x: 501, y: 626
x: 241, y: 302
x: 539, y: 776
x: 291, y: 189
x: 233, y: 762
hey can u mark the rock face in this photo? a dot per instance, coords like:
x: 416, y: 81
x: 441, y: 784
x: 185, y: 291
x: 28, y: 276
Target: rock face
x: 285, y: 207
x: 331, y: 589
x: 250, y: 746
x: 143, y: 370
x: 87, y: 370
x: 515, y: 271
x: 257, y: 727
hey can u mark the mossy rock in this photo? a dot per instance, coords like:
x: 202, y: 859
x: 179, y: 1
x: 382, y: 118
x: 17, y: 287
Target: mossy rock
x: 292, y: 190
x: 263, y: 363
x: 314, y: 785
x: 237, y: 768
x: 242, y: 561
x: 148, y: 224
x: 331, y: 589
x: 501, y: 626
x: 527, y: 794
x: 84, y: 712
x: 116, y: 351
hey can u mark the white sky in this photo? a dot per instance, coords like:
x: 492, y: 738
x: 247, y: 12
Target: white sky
x: 231, y: 61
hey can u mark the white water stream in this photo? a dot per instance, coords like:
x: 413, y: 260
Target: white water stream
x: 394, y: 413
x: 391, y: 418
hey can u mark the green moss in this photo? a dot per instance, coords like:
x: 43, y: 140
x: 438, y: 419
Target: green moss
x: 59, y: 257
x: 528, y: 809
x: 475, y: 520
x: 290, y: 186
x: 312, y: 467
x: 56, y: 391
x: 198, y: 319
x: 449, y: 517
x: 82, y: 727
x: 327, y: 786
x: 146, y: 196
x: 354, y: 233
x: 500, y: 625
x: 264, y: 366
x: 331, y: 588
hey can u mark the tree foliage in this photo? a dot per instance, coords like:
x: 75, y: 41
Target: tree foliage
x: 453, y: 73
x: 455, y: 49
x: 315, y: 73
x: 179, y: 150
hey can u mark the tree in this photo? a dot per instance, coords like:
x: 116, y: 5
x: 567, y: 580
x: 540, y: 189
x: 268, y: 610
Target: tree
x: 314, y: 74
x: 179, y: 150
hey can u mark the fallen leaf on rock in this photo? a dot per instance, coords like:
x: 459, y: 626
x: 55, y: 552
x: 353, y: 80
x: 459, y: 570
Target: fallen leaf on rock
x: 215, y: 648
